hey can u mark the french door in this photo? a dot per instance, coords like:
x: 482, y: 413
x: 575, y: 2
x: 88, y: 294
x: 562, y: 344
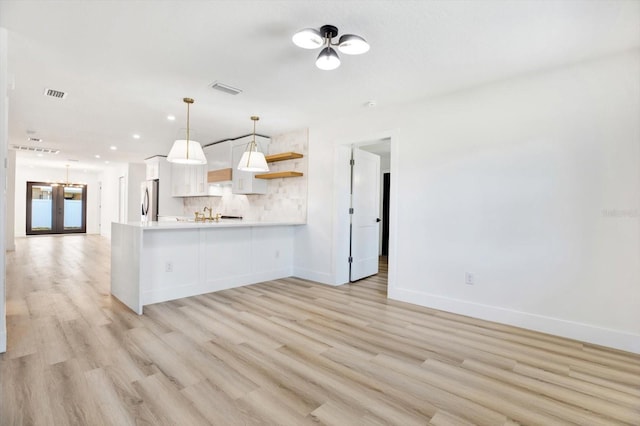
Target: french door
x: 54, y: 208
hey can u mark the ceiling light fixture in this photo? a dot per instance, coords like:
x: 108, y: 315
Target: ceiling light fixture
x: 253, y: 160
x: 135, y: 136
x: 349, y: 44
x: 185, y: 151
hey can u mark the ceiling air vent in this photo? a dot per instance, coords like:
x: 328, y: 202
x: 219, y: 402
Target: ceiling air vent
x: 225, y: 88
x: 55, y: 93
x: 35, y: 149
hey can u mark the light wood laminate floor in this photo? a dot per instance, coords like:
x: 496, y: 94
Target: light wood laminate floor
x: 285, y: 352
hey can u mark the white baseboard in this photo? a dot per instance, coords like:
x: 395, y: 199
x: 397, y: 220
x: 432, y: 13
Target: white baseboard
x: 573, y: 330
x: 319, y: 277
x: 3, y: 341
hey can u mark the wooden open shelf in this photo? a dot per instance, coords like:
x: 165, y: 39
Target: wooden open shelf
x: 220, y: 175
x: 282, y: 156
x: 276, y: 175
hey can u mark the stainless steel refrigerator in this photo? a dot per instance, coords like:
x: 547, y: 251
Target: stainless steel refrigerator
x: 149, y: 200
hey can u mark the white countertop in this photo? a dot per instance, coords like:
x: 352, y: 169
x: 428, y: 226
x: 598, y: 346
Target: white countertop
x: 223, y: 223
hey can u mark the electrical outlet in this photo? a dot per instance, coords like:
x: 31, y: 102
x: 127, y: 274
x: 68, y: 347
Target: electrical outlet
x: 469, y: 279
x: 168, y: 267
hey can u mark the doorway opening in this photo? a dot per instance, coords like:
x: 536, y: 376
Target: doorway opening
x: 56, y: 208
x: 386, y: 190
x: 369, y: 210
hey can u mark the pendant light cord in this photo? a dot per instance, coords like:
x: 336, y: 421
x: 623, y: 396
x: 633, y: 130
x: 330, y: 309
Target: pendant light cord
x: 252, y: 144
x: 187, y: 130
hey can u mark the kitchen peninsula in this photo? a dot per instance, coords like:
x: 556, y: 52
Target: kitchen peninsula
x: 160, y: 261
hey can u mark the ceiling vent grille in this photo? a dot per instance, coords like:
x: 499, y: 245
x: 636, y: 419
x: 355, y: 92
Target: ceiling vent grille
x: 55, y: 93
x: 35, y: 149
x: 216, y: 85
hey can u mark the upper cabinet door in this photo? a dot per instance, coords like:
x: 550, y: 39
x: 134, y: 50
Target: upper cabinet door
x: 188, y: 180
x: 153, y: 168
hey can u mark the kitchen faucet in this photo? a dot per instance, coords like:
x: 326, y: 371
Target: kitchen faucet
x: 212, y: 218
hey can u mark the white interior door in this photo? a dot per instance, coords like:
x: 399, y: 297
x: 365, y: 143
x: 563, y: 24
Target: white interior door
x: 365, y: 205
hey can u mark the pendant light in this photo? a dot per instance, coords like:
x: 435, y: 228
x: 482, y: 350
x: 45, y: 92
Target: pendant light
x: 253, y: 160
x: 349, y: 44
x: 185, y: 151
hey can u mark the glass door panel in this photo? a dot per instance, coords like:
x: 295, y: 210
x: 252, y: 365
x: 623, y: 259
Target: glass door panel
x: 41, y: 208
x: 72, y: 210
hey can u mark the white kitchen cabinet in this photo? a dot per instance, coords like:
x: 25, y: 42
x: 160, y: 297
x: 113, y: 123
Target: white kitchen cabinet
x: 188, y: 180
x: 153, y: 167
x: 245, y: 182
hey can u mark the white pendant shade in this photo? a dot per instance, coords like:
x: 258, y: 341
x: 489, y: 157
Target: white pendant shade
x: 352, y: 44
x: 308, y: 38
x: 253, y: 161
x: 328, y: 59
x: 186, y: 153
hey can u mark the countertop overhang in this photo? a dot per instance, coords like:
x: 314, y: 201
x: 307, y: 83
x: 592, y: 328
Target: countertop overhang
x: 223, y: 223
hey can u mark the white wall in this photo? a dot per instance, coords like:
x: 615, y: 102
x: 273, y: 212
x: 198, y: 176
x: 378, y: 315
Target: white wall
x: 134, y: 174
x: 11, y: 201
x: 110, y: 194
x: 532, y: 184
x: 26, y: 173
x: 4, y: 113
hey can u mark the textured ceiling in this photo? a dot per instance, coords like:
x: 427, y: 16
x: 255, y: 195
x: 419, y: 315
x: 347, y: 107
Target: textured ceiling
x: 127, y: 64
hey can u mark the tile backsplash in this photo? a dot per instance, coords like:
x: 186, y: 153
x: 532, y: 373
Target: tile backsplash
x: 286, y: 198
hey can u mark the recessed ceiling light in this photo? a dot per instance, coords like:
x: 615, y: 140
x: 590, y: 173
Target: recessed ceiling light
x: 171, y: 117
x: 39, y: 154
x: 97, y: 155
x: 106, y: 162
x: 136, y: 136
x: 113, y: 148
x: 371, y: 104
